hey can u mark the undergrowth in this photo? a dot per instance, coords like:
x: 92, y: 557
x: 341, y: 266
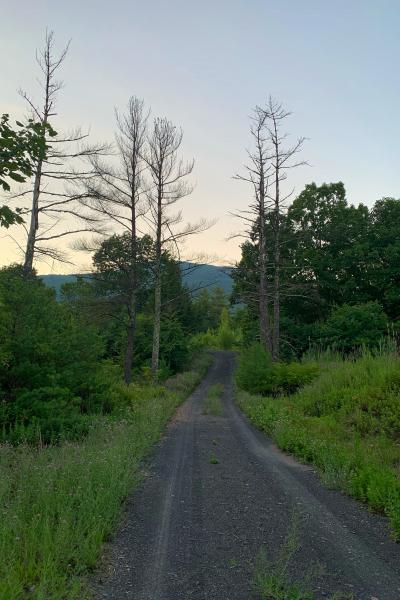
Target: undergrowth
x: 347, y: 423
x: 58, y: 504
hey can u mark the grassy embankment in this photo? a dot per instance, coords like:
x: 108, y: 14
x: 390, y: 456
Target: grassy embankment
x: 58, y: 504
x: 347, y: 423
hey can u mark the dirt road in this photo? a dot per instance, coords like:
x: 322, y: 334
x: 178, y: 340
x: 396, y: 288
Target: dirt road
x: 196, y: 526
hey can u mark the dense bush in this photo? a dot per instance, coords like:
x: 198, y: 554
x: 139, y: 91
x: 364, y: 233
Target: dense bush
x: 174, y: 346
x: 257, y: 374
x: 255, y: 370
x: 50, y: 362
x: 354, y: 326
x: 47, y: 413
x: 225, y: 337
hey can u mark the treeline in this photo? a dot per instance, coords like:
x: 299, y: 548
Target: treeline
x: 315, y: 270
x: 132, y: 319
x: 61, y: 360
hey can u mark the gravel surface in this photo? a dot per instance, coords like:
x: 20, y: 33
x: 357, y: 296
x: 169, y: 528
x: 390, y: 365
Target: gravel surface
x: 195, y: 527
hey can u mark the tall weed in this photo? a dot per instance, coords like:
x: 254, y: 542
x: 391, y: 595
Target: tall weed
x: 58, y: 504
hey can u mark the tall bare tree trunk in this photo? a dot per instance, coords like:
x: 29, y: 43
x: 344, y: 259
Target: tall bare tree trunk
x: 132, y: 298
x: 155, y: 358
x: 265, y: 333
x: 130, y: 342
x: 168, y: 177
x: 257, y: 176
x: 115, y: 193
x: 282, y: 161
x: 34, y: 223
x: 276, y: 328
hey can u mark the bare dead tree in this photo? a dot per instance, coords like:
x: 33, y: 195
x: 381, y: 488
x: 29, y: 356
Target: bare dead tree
x: 51, y: 200
x: 282, y: 160
x: 257, y: 174
x: 168, y: 186
x: 269, y: 164
x: 116, y: 195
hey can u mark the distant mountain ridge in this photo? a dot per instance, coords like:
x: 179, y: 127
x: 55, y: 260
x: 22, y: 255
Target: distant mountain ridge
x: 195, y: 277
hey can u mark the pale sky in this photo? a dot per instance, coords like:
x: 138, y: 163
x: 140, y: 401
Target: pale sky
x: 204, y: 65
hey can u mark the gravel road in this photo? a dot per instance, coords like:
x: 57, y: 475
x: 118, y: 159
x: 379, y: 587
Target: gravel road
x: 194, y: 528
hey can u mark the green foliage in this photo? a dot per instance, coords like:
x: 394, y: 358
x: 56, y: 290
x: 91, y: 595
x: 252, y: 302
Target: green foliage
x: 346, y: 422
x: 224, y: 338
x: 173, y: 344
x: 47, y: 412
x: 207, y: 309
x: 332, y: 254
x: 350, y: 327
x: 50, y: 361
x: 257, y: 374
x: 110, y: 291
x: 19, y: 150
x: 255, y: 369
x: 60, y: 503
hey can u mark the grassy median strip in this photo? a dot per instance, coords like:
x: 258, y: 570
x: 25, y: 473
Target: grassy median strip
x: 58, y: 504
x: 212, y: 403
x: 347, y: 423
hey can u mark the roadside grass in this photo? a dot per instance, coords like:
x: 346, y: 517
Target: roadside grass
x: 275, y: 579
x: 212, y: 403
x: 58, y: 504
x: 347, y: 423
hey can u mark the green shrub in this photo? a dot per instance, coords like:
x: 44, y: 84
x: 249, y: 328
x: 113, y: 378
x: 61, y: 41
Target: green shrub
x: 257, y: 374
x: 200, y: 341
x: 255, y: 370
x: 225, y: 337
x: 290, y: 377
x: 350, y: 327
x: 46, y: 414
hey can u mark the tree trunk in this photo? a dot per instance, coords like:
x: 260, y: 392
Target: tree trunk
x: 277, y: 257
x: 277, y: 316
x: 265, y: 334
x: 157, y: 291
x: 34, y: 223
x: 130, y: 340
x: 157, y: 325
x: 132, y: 285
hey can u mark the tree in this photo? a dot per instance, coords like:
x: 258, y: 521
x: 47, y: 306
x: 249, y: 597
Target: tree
x: 349, y: 328
x: 281, y: 159
x: 257, y: 174
x: 270, y: 162
x: 326, y: 259
x: 330, y: 253
x: 115, y: 194
x: 49, y: 358
x: 19, y: 150
x: 207, y: 308
x: 167, y: 175
x: 383, y: 256
x: 51, y: 199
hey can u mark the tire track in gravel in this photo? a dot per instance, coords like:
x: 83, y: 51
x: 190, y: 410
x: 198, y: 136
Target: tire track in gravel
x: 194, y: 529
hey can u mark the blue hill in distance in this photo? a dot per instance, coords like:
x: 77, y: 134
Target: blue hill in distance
x: 195, y: 277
